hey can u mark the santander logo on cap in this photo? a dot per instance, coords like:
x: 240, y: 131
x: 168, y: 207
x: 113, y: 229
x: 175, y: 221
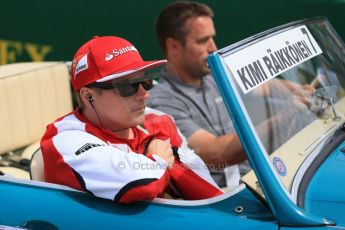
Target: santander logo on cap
x: 118, y: 52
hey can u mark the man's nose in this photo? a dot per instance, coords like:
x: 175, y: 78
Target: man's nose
x: 212, y: 46
x: 142, y: 93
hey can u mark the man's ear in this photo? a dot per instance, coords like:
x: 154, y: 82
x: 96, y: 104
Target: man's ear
x: 86, y: 95
x: 173, y: 46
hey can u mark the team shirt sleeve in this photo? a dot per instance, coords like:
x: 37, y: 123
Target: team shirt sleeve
x: 106, y: 171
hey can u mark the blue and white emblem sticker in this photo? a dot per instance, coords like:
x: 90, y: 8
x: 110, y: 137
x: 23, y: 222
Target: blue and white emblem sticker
x: 280, y: 166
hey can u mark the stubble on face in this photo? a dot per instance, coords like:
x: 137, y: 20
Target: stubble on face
x: 137, y: 115
x: 196, y: 69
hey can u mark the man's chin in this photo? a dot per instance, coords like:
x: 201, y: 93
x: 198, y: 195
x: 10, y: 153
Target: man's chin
x: 139, y: 120
x: 207, y: 71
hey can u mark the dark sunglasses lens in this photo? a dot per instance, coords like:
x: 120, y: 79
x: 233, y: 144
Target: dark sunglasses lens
x: 147, y: 84
x: 127, y: 89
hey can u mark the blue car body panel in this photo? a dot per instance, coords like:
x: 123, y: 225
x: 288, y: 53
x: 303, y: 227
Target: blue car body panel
x: 75, y: 210
x: 325, y: 194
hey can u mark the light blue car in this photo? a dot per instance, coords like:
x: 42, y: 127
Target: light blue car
x: 284, y: 89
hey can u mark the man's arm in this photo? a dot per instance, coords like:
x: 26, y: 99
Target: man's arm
x: 226, y: 149
x: 83, y: 161
x: 218, y: 151
x: 301, y: 93
x: 188, y: 173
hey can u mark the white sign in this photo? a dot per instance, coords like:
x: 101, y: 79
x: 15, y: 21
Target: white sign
x: 266, y: 59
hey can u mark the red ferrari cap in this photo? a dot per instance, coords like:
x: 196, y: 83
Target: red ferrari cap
x: 106, y: 58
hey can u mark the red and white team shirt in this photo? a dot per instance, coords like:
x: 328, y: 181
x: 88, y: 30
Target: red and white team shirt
x: 85, y: 157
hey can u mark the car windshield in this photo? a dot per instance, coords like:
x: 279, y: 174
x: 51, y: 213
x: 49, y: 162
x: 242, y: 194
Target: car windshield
x: 290, y: 83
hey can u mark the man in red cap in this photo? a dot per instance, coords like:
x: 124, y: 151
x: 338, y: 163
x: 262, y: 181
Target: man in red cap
x: 112, y: 145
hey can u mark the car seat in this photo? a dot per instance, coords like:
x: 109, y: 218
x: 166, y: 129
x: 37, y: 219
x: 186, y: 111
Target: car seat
x: 32, y: 95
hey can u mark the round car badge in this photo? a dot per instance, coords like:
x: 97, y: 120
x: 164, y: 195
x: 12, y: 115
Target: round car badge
x: 280, y: 166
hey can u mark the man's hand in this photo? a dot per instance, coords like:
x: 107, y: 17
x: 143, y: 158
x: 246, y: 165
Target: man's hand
x: 309, y: 89
x: 161, y: 149
x: 304, y: 93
